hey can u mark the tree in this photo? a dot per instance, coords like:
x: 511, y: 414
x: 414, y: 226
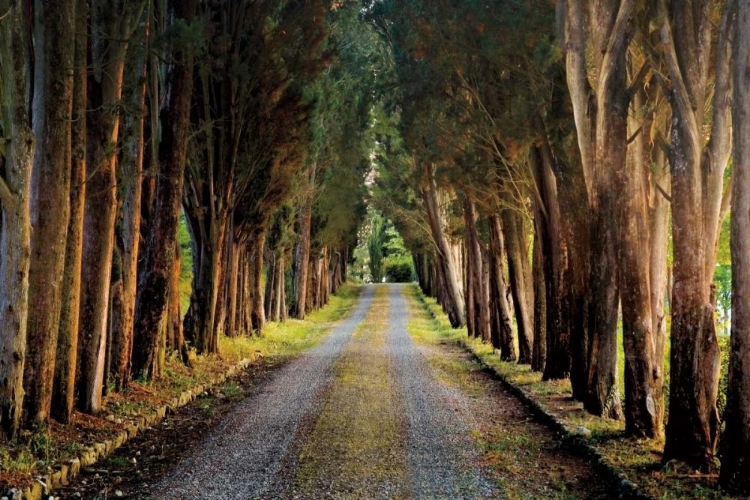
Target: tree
x: 735, y: 462
x: 15, y: 236
x: 154, y: 283
x: 50, y: 196
x: 63, y: 396
x: 689, y: 36
x: 113, y: 24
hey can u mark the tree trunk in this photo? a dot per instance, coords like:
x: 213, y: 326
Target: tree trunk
x: 521, y: 281
x: 153, y: 286
x: 641, y: 374
x: 539, y: 355
x: 63, y: 395
x: 282, y: 305
x: 233, y: 291
x: 477, y: 310
x: 502, y: 326
x: 239, y: 327
x: 113, y: 26
x: 735, y: 460
x: 220, y: 316
x: 563, y: 268
x: 15, y: 231
x: 200, y: 318
x: 659, y: 212
x: 269, y: 295
x: 453, y: 301
x: 175, y: 309
x: 50, y: 196
x: 471, y: 314
x: 302, y: 250
x: 697, y: 184
x: 258, y: 314
x: 602, y: 137
x: 130, y: 181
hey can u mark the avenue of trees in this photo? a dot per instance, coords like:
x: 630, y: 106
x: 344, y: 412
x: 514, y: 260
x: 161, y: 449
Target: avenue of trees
x: 120, y: 118
x: 561, y: 172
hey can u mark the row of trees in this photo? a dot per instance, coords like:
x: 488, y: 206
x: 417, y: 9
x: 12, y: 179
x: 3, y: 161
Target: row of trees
x: 603, y: 132
x: 120, y: 117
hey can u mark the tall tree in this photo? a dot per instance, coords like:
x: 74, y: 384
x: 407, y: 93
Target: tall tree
x: 67, y: 338
x: 735, y: 461
x: 602, y: 139
x: 15, y: 229
x: 50, y: 195
x: 154, y: 283
x: 695, y: 47
x: 113, y: 23
x: 130, y: 193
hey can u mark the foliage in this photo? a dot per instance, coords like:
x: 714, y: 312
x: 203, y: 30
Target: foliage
x: 381, y: 251
x: 375, y: 247
x: 186, y: 265
x: 399, y: 268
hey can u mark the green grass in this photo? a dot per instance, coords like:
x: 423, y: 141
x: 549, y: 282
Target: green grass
x: 291, y: 337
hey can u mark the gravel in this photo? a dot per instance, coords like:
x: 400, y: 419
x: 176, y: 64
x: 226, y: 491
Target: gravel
x: 442, y: 458
x: 254, y: 452
x: 244, y: 454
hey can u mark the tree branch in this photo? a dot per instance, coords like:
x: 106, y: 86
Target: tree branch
x: 6, y: 196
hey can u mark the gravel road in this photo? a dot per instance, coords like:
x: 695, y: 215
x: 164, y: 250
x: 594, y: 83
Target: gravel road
x: 442, y: 457
x: 362, y: 415
x: 242, y: 456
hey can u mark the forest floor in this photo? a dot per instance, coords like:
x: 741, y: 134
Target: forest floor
x: 381, y: 408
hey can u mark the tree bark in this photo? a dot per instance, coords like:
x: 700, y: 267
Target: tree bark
x: 302, y: 250
x: 113, y: 23
x: 200, y: 318
x: 735, y: 460
x: 15, y: 231
x: 50, y: 196
x: 521, y: 281
x: 539, y: 354
x: 600, y: 110
x: 63, y: 394
x: 153, y: 286
x: 233, y: 274
x: 477, y: 309
x: 175, y: 310
x: 258, y: 315
x: 564, y: 268
x: 641, y: 375
x: 454, y: 304
x: 220, y: 316
x: 697, y: 182
x: 130, y: 181
x: 501, y: 322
